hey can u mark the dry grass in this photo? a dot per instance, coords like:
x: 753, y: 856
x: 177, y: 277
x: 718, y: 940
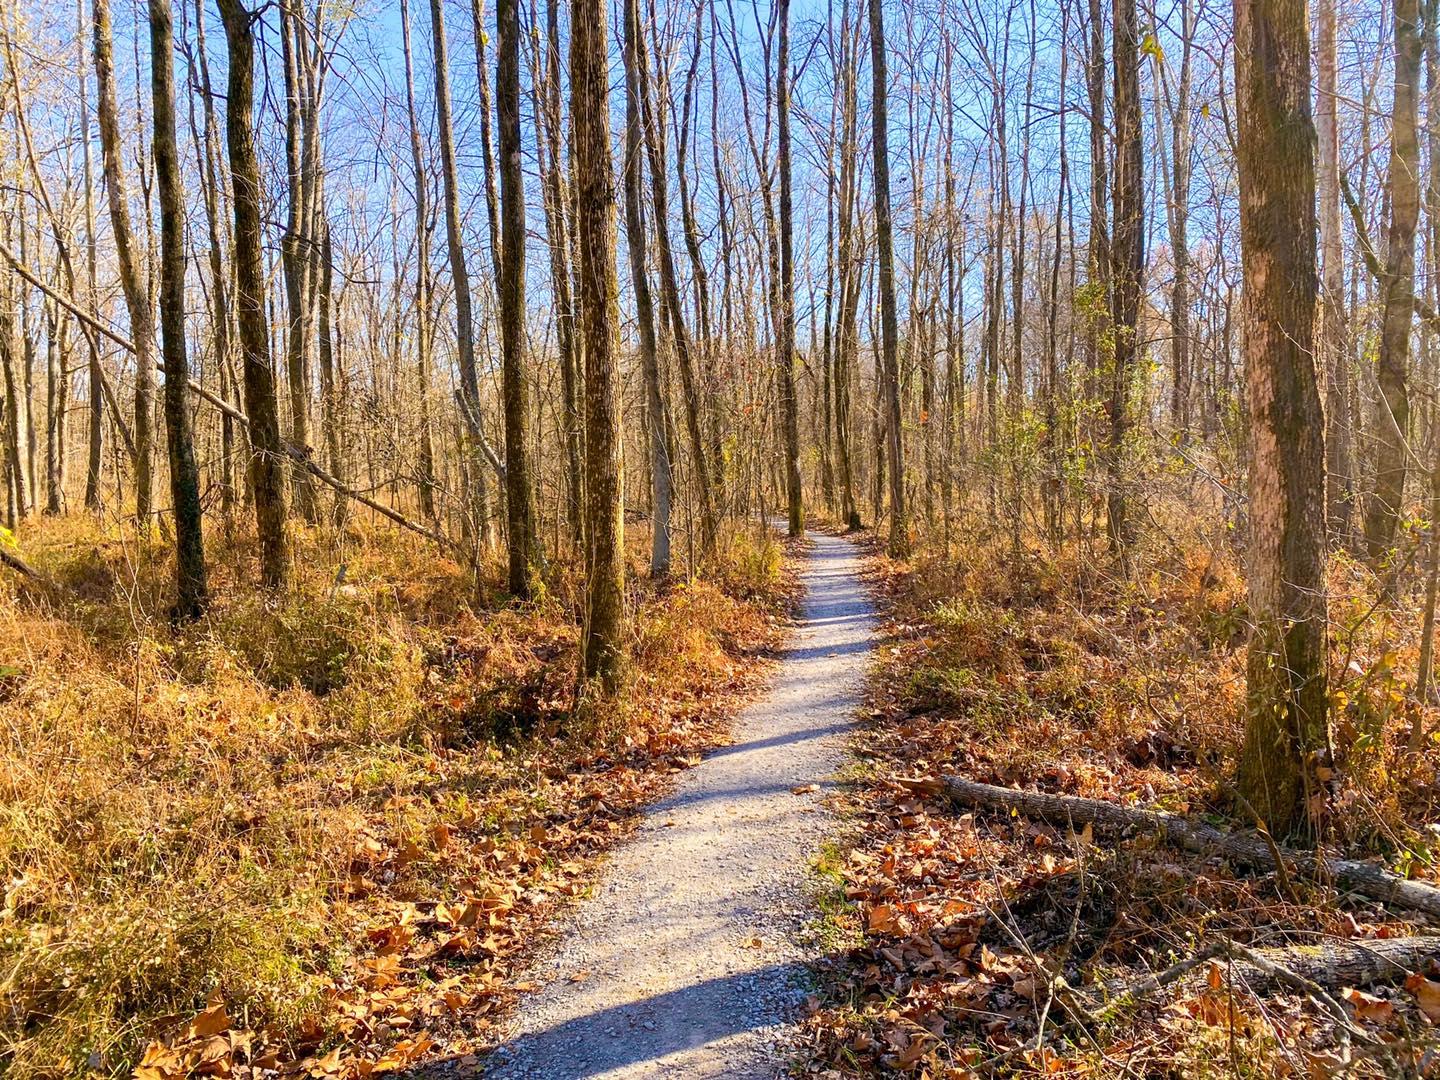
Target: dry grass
x: 233, y: 808
x: 1043, y: 669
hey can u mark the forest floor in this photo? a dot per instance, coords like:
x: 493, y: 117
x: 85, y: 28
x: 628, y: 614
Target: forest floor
x: 691, y: 958
x: 980, y: 942
x: 324, y: 835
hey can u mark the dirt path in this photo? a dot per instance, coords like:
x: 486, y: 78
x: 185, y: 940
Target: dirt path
x: 687, y: 962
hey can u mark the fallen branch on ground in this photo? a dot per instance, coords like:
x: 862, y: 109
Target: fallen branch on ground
x: 1361, y: 877
x: 19, y: 565
x: 1312, y: 970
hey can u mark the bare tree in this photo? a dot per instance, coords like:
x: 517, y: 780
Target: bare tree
x: 1286, y: 727
x: 267, y: 471
x: 602, y: 643
x: 889, y: 327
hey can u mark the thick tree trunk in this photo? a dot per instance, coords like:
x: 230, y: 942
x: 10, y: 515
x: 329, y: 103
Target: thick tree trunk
x: 191, y: 590
x: 1286, y: 730
x: 602, y: 644
x: 267, y: 459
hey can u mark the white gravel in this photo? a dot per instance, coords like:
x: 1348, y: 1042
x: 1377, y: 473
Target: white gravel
x: 688, y: 960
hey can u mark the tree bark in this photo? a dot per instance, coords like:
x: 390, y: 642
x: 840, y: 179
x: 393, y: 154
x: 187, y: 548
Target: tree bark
x: 1247, y: 850
x: 191, y: 590
x: 132, y: 282
x: 789, y: 406
x: 660, y: 482
x: 1392, y: 422
x: 522, y: 531
x: 899, y: 544
x: 267, y: 459
x: 1286, y: 729
x: 1127, y: 252
x: 602, y: 646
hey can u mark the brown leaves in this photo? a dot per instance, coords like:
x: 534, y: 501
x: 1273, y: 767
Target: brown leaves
x: 205, y: 1046
x: 1427, y: 995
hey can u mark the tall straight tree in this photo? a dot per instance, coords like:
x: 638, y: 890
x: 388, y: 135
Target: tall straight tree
x: 133, y: 282
x: 480, y: 452
x: 523, y: 533
x: 1392, y: 426
x: 660, y: 485
x: 1127, y: 252
x: 267, y: 458
x: 297, y: 245
x: 889, y: 326
x: 602, y: 644
x: 1286, y: 728
x: 1334, y: 345
x: 191, y: 593
x: 789, y: 406
x: 424, y: 332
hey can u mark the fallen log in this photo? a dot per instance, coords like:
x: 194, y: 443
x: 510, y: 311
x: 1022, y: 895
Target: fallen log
x: 1331, y: 965
x: 19, y: 565
x: 1246, y: 849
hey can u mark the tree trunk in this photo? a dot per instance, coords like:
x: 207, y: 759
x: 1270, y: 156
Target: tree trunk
x: 1334, y: 343
x: 424, y: 333
x: 1392, y: 422
x: 522, y: 531
x: 889, y: 373
x: 296, y: 246
x: 267, y: 459
x: 602, y: 647
x: 660, y: 486
x: 465, y: 328
x: 670, y: 294
x: 1286, y: 729
x: 132, y: 280
x: 1127, y: 252
x: 557, y: 227
x: 789, y: 406
x: 191, y: 592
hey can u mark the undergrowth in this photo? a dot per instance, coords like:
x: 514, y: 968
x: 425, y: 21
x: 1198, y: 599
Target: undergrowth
x: 1042, y: 668
x: 268, y: 812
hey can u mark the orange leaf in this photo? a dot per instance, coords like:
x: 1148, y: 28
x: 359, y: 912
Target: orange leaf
x: 1427, y: 995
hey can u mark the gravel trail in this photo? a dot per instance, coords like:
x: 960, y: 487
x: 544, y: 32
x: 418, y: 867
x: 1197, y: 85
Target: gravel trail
x: 688, y: 961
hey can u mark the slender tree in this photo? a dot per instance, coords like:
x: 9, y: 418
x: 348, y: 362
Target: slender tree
x: 889, y: 326
x: 267, y: 458
x: 133, y: 282
x: 633, y: 163
x: 192, y: 593
x: 1127, y: 253
x: 789, y: 405
x: 523, y: 535
x: 1392, y: 422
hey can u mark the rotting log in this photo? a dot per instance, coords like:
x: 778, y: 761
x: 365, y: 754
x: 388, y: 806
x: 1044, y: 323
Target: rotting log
x: 1243, y: 848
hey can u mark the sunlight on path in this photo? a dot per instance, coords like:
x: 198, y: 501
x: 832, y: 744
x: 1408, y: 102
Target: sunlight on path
x: 686, y: 963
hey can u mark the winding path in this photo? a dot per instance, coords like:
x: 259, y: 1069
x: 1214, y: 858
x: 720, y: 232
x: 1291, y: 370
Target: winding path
x: 688, y: 961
